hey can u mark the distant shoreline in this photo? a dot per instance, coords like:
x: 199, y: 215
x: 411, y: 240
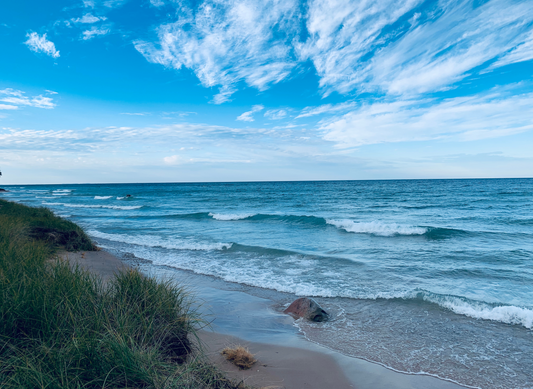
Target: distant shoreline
x: 275, y: 181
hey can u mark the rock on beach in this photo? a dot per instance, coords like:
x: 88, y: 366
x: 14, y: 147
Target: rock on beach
x: 307, y: 308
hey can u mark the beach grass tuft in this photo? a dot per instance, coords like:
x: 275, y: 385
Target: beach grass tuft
x: 239, y: 356
x: 62, y: 327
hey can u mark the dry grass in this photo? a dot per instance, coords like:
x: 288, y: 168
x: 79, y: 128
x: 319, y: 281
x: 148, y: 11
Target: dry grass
x: 239, y: 356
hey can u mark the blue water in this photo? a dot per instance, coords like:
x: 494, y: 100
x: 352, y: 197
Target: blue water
x: 432, y: 276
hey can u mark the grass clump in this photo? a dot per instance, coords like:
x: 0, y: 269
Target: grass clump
x: 62, y: 327
x: 239, y: 356
x: 42, y: 224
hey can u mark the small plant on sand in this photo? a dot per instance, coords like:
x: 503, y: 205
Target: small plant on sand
x: 239, y: 356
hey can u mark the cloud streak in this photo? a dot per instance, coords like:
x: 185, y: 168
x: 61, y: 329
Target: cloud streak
x: 88, y: 19
x: 463, y: 118
x: 94, y: 32
x: 17, y: 98
x: 248, y: 116
x: 391, y: 47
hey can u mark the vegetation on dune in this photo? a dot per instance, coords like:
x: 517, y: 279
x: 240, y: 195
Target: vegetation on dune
x: 42, y: 224
x: 61, y: 327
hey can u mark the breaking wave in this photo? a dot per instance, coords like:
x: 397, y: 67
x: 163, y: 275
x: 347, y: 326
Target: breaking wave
x: 102, y: 197
x: 508, y: 314
x: 376, y: 228
x: 225, y: 217
x: 96, y: 206
x: 157, y: 241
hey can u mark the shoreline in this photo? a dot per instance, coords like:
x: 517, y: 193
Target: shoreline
x: 292, y: 362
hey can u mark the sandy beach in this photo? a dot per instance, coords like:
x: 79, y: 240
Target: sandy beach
x: 285, y: 359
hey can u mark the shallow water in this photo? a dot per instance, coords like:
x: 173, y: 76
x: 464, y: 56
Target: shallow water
x: 431, y: 276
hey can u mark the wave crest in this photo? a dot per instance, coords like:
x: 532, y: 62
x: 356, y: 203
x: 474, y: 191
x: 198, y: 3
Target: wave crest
x: 376, y: 228
x: 157, y: 241
x: 508, y: 314
x: 96, y: 206
x: 231, y: 216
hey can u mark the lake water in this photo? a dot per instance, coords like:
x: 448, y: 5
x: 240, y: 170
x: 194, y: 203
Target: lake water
x: 422, y: 276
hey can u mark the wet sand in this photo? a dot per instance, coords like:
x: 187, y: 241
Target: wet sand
x: 285, y: 359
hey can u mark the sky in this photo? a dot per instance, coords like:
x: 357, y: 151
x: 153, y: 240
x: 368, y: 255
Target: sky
x: 103, y: 91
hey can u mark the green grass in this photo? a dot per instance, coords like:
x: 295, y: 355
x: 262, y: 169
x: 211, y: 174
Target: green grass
x: 42, y: 224
x: 61, y: 327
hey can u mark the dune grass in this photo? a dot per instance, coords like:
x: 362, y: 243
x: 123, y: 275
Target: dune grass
x: 61, y: 327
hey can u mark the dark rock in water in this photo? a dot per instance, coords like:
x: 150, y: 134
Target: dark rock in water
x: 3, y: 190
x: 307, y: 308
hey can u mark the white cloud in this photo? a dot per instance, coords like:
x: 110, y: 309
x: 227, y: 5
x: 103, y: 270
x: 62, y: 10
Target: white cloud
x: 157, y: 3
x: 275, y: 114
x: 227, y: 41
x: 9, y: 107
x: 39, y: 43
x: 363, y: 46
x: 88, y: 19
x: 462, y: 118
x: 173, y: 160
x: 17, y: 98
x: 394, y: 47
x: 326, y: 108
x: 521, y: 53
x: 94, y: 32
x: 248, y: 116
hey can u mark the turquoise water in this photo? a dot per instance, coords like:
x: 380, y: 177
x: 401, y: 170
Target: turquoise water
x: 432, y: 276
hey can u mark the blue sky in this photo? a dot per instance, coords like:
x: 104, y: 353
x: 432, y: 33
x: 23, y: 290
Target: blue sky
x: 171, y: 90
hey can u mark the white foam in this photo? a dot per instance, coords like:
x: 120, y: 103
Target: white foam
x: 157, y: 241
x: 120, y: 198
x: 376, y: 228
x: 230, y: 216
x: 61, y: 194
x: 102, y: 197
x: 508, y: 314
x: 96, y: 206
x: 62, y: 190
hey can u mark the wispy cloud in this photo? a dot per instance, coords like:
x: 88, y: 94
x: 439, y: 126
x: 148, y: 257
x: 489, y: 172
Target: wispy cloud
x: 227, y: 41
x: 462, y: 118
x: 326, y: 108
x: 136, y: 113
x: 522, y: 52
x: 248, y: 116
x: 392, y: 47
x: 364, y: 46
x: 40, y: 44
x: 88, y: 19
x: 104, y: 3
x: 18, y: 97
x: 94, y: 32
x: 179, y: 160
x: 275, y: 114
x: 8, y: 107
